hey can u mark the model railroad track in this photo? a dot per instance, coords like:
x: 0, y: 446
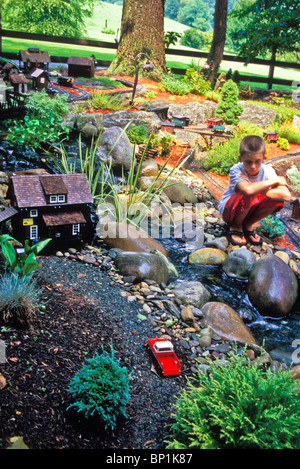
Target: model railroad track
x: 283, y: 158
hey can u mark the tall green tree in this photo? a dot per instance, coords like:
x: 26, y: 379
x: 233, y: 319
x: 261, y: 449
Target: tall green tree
x: 142, y: 31
x: 271, y: 26
x: 54, y: 17
x: 195, y: 13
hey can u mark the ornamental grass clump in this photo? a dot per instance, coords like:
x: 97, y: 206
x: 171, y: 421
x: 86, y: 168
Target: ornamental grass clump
x: 19, y: 300
x: 101, y: 388
x: 238, y: 406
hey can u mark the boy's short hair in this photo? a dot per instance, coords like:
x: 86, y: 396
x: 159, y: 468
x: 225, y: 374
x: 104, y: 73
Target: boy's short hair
x: 252, y: 144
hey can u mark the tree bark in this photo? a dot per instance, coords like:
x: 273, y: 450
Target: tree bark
x: 217, y: 48
x: 142, y: 30
x: 272, y: 68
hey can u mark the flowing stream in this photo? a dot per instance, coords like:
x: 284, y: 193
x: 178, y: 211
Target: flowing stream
x: 277, y: 336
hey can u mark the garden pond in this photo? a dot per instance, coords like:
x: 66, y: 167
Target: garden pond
x: 277, y: 336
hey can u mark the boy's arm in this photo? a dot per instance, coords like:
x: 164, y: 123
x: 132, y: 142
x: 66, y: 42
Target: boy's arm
x: 275, y: 188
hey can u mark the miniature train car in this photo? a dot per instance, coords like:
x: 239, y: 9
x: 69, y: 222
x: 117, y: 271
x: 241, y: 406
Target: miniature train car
x: 165, y: 356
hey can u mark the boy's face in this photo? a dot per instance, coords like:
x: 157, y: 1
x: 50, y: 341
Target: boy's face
x: 252, y: 162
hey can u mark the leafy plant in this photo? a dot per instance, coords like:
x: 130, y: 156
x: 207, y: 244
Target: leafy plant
x: 239, y: 405
x: 175, y: 86
x: 25, y: 263
x: 138, y: 134
x: 283, y: 143
x: 271, y: 226
x: 294, y: 176
x: 228, y: 107
x: 171, y: 37
x: 197, y: 80
x: 101, y: 388
x: 19, y: 300
x: 42, y: 122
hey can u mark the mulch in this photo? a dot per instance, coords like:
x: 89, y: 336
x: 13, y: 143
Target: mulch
x: 84, y: 314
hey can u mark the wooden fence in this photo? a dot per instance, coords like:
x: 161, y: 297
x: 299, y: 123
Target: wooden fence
x: 169, y: 52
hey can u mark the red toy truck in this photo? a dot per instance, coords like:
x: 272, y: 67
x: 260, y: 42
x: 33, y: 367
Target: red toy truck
x: 163, y: 351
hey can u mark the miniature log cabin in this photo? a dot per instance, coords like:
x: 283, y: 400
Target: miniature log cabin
x: 40, y: 79
x: 51, y: 206
x: 34, y: 58
x: 81, y: 67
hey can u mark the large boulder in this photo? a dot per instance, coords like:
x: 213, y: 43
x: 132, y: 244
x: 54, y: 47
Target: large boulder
x: 225, y: 322
x: 128, y: 238
x: 238, y: 263
x: 260, y: 115
x: 191, y: 293
x: 142, y: 266
x: 115, y: 148
x: 122, y: 118
x: 272, y: 287
x: 89, y: 125
x: 195, y: 111
x: 180, y: 193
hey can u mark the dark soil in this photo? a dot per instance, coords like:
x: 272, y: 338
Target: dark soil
x: 283, y: 165
x: 84, y: 312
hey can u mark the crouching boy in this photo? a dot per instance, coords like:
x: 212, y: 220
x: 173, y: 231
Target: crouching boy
x: 254, y: 192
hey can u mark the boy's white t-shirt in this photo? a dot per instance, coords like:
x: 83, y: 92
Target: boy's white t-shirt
x: 237, y: 174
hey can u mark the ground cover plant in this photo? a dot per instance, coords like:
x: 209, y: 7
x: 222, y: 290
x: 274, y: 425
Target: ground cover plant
x: 238, y: 405
x: 42, y: 123
x: 101, y: 388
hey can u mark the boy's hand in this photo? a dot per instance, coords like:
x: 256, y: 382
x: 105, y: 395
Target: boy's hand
x: 279, y: 181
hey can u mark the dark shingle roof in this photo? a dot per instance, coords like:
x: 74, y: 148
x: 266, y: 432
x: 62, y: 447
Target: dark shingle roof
x: 63, y: 218
x: 29, y: 191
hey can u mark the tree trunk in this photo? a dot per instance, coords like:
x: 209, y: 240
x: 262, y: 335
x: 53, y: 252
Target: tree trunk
x: 272, y: 67
x: 217, y: 48
x: 142, y: 30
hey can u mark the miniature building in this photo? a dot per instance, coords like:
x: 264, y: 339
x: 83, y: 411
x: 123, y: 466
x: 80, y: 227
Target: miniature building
x: 34, y: 58
x: 40, y: 79
x: 51, y: 206
x: 81, y: 67
x: 18, y: 81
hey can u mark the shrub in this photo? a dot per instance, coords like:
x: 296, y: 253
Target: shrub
x: 228, y: 107
x: 192, y: 38
x: 199, y: 84
x: 138, y: 133
x: 101, y: 387
x: 291, y: 134
x: 283, y: 143
x: 19, y: 300
x: 238, y: 406
x: 271, y: 226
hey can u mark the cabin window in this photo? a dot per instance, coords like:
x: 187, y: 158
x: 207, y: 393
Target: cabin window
x: 33, y: 232
x: 54, y: 199
x: 33, y: 213
x: 76, y: 229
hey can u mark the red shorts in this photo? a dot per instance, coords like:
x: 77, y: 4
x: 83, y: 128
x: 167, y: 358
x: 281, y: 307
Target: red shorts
x: 239, y: 202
